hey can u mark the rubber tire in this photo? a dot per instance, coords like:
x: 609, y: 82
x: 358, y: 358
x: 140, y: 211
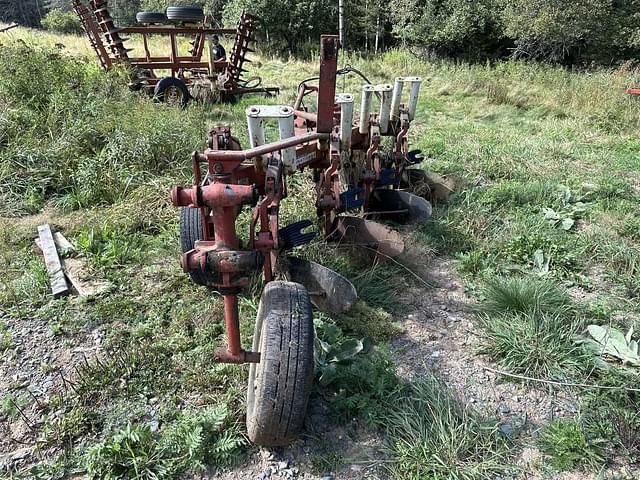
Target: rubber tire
x: 185, y: 14
x: 279, y: 386
x: 151, y: 17
x: 166, y: 82
x: 191, y: 230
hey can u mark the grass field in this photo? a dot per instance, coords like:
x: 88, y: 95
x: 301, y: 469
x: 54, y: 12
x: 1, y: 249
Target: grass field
x: 543, y: 230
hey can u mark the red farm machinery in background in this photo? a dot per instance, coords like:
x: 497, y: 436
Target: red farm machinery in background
x: 357, y: 164
x: 196, y: 75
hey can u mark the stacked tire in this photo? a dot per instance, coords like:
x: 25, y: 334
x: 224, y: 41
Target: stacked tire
x: 151, y: 17
x: 187, y: 14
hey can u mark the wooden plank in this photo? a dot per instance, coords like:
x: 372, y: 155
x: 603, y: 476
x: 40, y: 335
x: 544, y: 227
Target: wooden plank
x: 64, y: 246
x: 54, y: 267
x: 76, y: 271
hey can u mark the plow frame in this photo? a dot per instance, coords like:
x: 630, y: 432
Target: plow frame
x: 322, y: 141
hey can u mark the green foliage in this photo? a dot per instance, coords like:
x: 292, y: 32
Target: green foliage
x: 63, y: 140
x: 510, y: 193
x: 565, y: 442
x: 332, y: 351
x: 539, y: 345
x: 431, y: 434
x: 6, y: 339
x: 62, y: 22
x: 11, y: 406
x: 204, y: 437
x: 130, y: 453
x: 554, y: 29
x: 471, y: 262
x: 193, y: 441
x: 611, y: 415
x: 545, y: 252
x: 375, y: 323
x: 523, y: 295
x: 109, y: 248
x: 528, y: 326
x: 453, y: 27
x: 287, y: 24
x: 611, y: 342
x: 550, y: 30
x: 359, y: 385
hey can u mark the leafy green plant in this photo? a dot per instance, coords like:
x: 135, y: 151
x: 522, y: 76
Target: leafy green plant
x: 130, y: 453
x: 567, y: 446
x: 11, y: 405
x: 199, y: 438
x: 566, y: 217
x: 6, y: 339
x: 334, y: 351
x: 109, y: 248
x: 558, y: 255
x: 471, y: 262
x: 193, y: 441
x: 62, y: 22
x: 611, y: 342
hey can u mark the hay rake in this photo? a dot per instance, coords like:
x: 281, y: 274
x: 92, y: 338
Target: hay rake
x: 351, y: 170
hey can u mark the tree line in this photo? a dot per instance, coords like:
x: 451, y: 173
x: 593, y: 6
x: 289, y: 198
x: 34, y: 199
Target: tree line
x: 565, y: 31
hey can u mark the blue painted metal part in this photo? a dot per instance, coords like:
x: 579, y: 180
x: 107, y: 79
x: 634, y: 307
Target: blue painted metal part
x: 293, y: 236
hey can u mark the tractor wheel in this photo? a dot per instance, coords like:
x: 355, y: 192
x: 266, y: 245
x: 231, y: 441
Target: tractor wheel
x: 172, y: 91
x: 151, y: 17
x: 185, y: 14
x: 192, y: 230
x: 279, y: 386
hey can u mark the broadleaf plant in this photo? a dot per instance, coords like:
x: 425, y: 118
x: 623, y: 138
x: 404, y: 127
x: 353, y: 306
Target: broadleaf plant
x: 611, y: 342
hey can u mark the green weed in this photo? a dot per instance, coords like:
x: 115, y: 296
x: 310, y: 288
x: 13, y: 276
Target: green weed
x: 11, y: 405
x: 567, y: 446
x: 191, y: 442
x: 535, y: 344
x: 524, y: 295
x: 431, y: 434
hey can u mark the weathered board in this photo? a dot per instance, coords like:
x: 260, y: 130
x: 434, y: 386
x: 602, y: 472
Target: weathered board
x: 54, y: 267
x: 76, y: 271
x: 64, y: 245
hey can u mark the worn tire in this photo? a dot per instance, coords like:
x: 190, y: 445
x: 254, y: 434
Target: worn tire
x: 151, y: 17
x: 192, y: 230
x: 166, y: 88
x: 185, y: 13
x: 279, y: 386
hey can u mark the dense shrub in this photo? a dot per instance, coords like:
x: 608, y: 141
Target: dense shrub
x: 62, y: 22
x: 450, y: 27
x: 555, y: 29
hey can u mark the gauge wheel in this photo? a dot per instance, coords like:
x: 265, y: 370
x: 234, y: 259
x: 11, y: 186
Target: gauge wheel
x: 280, y: 384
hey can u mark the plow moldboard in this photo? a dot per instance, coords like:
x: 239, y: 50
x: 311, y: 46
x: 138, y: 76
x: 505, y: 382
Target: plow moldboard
x: 398, y: 205
x: 329, y: 291
x: 360, y: 232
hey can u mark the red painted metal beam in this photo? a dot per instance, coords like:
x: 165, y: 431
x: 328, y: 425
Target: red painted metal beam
x: 327, y: 83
